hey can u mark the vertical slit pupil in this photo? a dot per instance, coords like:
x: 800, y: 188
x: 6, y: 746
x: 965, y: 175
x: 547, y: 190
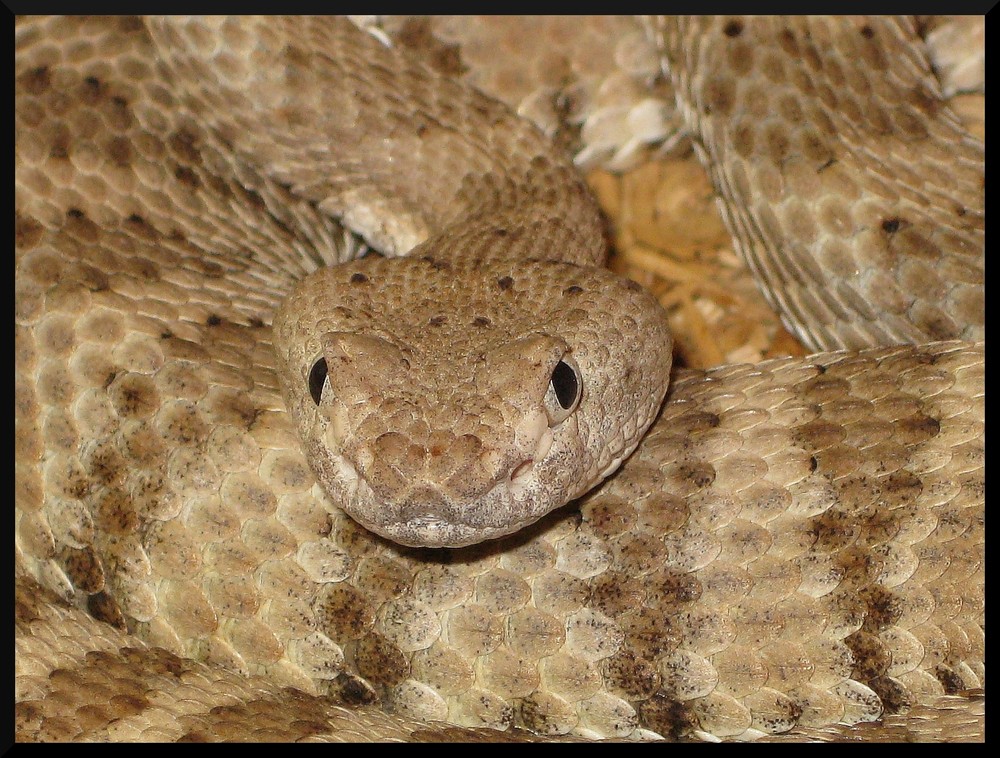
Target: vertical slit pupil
x: 565, y: 383
x: 317, y: 378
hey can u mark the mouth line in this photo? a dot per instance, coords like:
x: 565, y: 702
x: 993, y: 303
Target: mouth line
x: 459, y: 524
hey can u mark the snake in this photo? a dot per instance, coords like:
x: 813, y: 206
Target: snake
x: 269, y: 488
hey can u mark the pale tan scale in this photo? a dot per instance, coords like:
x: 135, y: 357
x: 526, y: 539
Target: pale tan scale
x: 793, y: 550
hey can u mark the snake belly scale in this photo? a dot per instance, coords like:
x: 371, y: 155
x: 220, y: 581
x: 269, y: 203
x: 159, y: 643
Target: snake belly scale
x: 792, y: 548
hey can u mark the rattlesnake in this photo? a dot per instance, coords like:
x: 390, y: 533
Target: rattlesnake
x: 794, y: 545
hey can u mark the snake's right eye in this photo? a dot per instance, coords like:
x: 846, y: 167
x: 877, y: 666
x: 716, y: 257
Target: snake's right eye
x: 564, y: 391
x: 317, y: 378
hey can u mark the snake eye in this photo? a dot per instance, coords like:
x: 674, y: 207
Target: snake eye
x: 564, y: 391
x: 317, y: 378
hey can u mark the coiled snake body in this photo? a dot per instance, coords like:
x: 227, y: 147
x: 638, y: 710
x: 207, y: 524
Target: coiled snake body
x: 794, y: 547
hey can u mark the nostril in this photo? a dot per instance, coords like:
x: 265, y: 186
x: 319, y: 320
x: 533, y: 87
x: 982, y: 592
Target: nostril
x: 521, y: 470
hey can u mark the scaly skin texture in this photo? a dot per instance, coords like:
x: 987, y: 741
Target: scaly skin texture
x: 851, y: 190
x: 793, y: 546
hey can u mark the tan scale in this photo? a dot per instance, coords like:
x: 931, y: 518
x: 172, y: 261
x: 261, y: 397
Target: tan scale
x: 795, y: 549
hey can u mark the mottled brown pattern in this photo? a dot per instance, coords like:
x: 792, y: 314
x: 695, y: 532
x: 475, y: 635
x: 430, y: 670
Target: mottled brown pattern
x: 822, y: 140
x: 795, y: 550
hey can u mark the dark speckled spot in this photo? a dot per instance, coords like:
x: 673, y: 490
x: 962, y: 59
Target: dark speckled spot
x: 883, y: 608
x: 670, y: 717
x: 354, y: 690
x: 871, y: 658
x: 505, y: 282
x: 186, y: 176
x: 358, y: 278
x: 104, y: 608
x: 950, y: 680
x: 37, y: 80
x: 435, y: 263
x: 380, y: 661
x: 733, y: 29
x: 892, y: 694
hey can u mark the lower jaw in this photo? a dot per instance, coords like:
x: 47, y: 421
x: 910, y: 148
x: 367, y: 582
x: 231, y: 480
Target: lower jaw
x: 432, y: 534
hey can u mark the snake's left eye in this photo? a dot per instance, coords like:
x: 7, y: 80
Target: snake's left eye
x: 564, y: 391
x: 317, y: 378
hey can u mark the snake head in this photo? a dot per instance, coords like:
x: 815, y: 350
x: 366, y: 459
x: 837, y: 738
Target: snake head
x: 441, y: 405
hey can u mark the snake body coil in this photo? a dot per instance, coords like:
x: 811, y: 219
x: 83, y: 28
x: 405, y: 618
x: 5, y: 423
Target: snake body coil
x: 794, y: 547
